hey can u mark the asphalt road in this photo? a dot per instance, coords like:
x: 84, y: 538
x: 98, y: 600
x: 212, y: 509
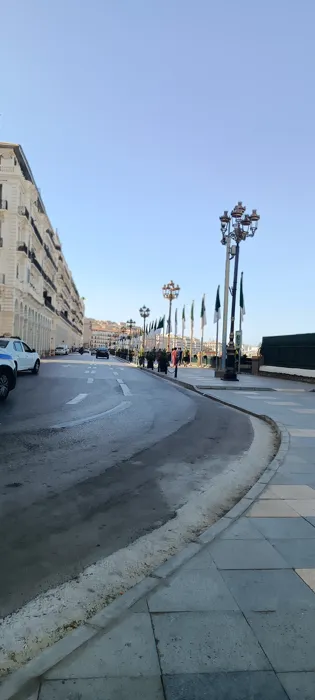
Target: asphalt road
x: 93, y: 455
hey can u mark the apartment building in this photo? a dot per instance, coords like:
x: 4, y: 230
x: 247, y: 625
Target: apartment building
x: 39, y: 300
x: 103, y: 338
x: 107, y: 333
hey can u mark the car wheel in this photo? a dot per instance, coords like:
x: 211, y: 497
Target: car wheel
x: 4, y: 385
x: 36, y: 367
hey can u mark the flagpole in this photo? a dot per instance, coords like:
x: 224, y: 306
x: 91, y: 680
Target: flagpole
x: 240, y: 348
x: 191, y: 334
x: 217, y: 346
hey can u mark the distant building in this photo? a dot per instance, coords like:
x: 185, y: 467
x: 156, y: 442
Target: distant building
x: 107, y: 333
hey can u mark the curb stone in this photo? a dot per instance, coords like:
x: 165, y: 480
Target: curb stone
x: 22, y: 683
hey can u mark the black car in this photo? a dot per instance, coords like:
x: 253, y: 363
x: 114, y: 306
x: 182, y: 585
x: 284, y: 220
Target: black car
x: 102, y: 352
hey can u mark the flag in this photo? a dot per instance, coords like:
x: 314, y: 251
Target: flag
x: 242, y: 302
x: 203, y: 315
x: 183, y: 321
x: 217, y: 308
x: 169, y: 326
x: 160, y: 326
x: 192, y: 311
x: 175, y: 322
x: 155, y: 325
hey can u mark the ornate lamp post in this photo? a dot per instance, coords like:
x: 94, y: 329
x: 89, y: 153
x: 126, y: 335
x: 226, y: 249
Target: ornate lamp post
x: 170, y: 292
x: 144, y: 313
x: 236, y: 227
x: 122, y: 337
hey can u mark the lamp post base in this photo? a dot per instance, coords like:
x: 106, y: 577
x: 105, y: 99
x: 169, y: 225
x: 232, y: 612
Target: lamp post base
x: 230, y: 373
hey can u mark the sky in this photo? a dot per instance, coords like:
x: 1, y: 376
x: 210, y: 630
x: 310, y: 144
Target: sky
x: 142, y: 120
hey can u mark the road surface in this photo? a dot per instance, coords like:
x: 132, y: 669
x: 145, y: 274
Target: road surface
x: 94, y: 454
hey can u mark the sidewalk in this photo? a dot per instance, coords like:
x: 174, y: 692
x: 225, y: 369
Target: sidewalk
x: 231, y: 617
x: 205, y: 378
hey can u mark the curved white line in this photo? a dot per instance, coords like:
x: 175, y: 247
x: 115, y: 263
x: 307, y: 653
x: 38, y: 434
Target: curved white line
x: 70, y: 424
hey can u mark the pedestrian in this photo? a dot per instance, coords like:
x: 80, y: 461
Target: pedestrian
x: 174, y: 357
x: 180, y: 356
x: 186, y: 357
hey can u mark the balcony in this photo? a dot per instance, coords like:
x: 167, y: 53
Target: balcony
x: 49, y: 255
x: 37, y: 264
x: 48, y: 303
x: 23, y: 211
x: 3, y: 203
x: 22, y: 248
x: 36, y: 231
x: 47, y: 279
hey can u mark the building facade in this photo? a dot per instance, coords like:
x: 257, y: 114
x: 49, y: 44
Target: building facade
x: 106, y: 333
x: 103, y: 339
x: 39, y: 301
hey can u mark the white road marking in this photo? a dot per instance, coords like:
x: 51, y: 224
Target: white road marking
x: 289, y: 391
x: 90, y: 380
x: 77, y: 399
x: 116, y: 374
x: 303, y: 410
x: 283, y: 403
x: 70, y: 424
x: 302, y: 432
x: 87, y: 371
x: 125, y: 389
x: 121, y: 369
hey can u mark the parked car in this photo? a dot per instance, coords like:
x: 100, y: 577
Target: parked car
x: 102, y: 352
x: 62, y: 350
x: 25, y: 359
x: 7, y: 374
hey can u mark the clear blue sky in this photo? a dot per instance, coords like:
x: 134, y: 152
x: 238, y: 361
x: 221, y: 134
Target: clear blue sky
x: 143, y: 119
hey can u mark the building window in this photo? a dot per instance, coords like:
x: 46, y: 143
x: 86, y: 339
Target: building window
x: 17, y: 272
x: 28, y: 277
x: 2, y: 278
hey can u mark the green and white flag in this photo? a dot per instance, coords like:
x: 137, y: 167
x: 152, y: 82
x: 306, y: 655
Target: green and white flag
x: 203, y: 314
x: 160, y: 326
x: 183, y: 321
x: 192, y: 312
x: 217, y: 308
x: 242, y: 302
x: 176, y: 323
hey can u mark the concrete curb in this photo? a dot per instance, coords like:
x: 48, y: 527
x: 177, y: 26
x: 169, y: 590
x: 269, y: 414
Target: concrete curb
x: 22, y: 683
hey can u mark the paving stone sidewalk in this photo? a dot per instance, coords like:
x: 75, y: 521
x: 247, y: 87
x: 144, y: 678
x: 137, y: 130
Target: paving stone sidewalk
x: 237, y: 620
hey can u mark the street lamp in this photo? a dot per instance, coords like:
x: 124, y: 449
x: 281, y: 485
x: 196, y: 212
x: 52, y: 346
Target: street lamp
x: 144, y: 313
x: 236, y: 227
x: 170, y: 292
x: 130, y: 325
x: 122, y: 336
